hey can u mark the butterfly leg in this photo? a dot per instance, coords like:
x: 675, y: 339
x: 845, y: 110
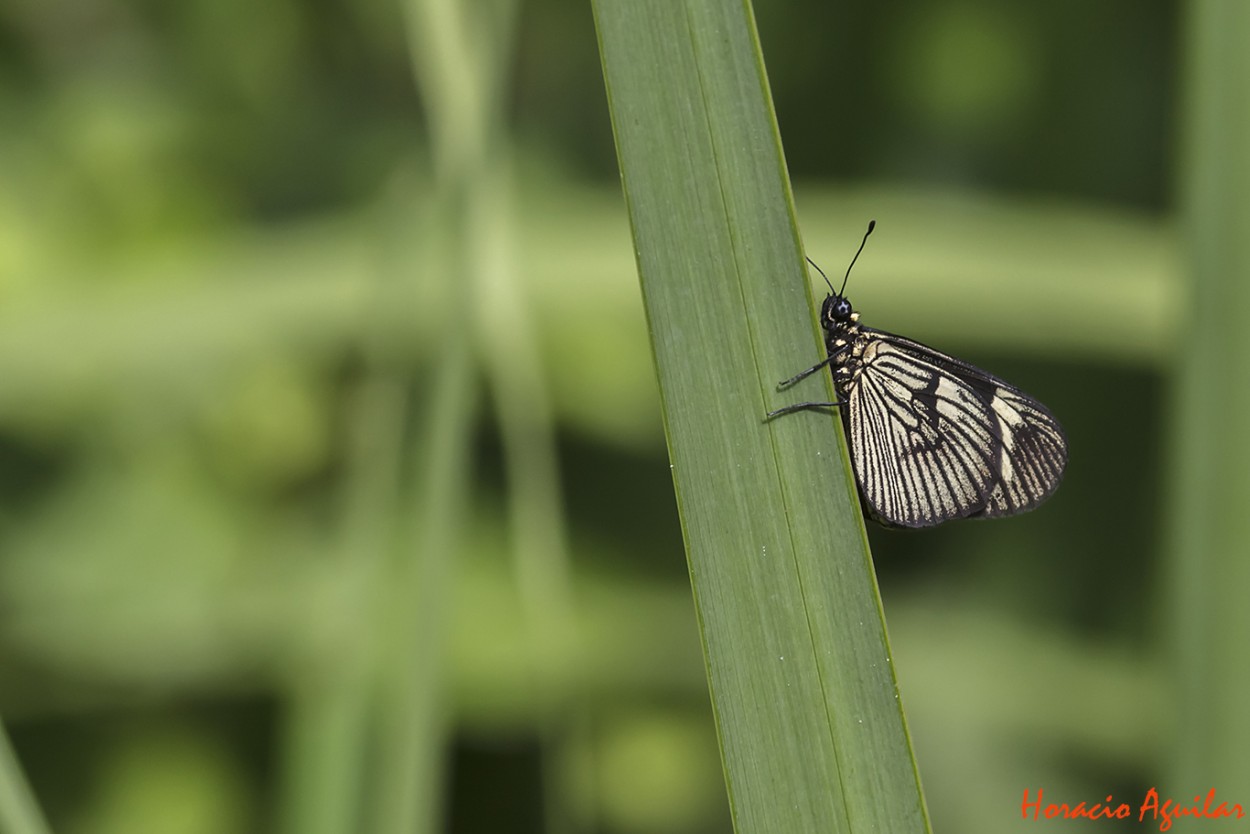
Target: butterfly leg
x: 813, y: 369
x: 801, y: 407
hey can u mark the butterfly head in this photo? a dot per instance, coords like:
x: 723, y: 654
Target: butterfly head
x: 836, y: 310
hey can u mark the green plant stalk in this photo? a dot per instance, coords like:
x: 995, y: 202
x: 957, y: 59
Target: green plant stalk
x: 413, y: 710
x: 328, y: 724
x: 449, y: 35
x: 812, y: 732
x: 1209, y: 568
x: 508, y: 346
x: 461, y: 78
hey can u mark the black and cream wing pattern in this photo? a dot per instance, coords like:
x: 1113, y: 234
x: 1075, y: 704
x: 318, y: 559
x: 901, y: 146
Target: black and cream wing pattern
x: 931, y: 437
x: 934, y: 439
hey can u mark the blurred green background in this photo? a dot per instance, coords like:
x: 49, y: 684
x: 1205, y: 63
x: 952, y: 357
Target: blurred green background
x: 303, y: 523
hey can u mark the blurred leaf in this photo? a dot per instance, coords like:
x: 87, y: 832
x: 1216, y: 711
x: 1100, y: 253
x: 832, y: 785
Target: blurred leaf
x: 1209, y: 572
x: 170, y: 780
x: 961, y: 270
x: 19, y: 811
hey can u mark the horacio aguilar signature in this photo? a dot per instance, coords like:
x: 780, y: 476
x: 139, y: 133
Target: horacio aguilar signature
x: 1151, y: 807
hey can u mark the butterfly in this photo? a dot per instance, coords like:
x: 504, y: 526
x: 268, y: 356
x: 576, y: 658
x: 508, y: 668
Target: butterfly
x: 931, y: 438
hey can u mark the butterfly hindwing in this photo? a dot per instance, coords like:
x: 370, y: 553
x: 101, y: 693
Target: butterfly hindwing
x: 1034, y: 455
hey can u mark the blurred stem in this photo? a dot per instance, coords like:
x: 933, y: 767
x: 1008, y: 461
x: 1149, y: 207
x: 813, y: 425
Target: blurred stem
x: 460, y: 50
x: 328, y: 722
x: 508, y: 346
x: 461, y: 53
x: 453, y: 45
x: 460, y: 91
x: 412, y: 712
x: 19, y: 812
x: 1209, y: 568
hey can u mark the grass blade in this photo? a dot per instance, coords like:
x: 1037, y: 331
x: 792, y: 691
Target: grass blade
x: 812, y: 732
x: 1209, y: 569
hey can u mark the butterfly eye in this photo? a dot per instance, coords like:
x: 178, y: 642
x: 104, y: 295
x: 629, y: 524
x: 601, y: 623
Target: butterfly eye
x: 836, y: 309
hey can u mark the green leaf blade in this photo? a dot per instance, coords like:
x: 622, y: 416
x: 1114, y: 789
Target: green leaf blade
x: 811, y: 730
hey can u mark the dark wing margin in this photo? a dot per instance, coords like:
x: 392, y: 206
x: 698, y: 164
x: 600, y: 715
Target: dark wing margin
x: 1034, y: 454
x: 934, y: 438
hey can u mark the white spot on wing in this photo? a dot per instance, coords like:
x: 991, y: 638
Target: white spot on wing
x: 1008, y: 418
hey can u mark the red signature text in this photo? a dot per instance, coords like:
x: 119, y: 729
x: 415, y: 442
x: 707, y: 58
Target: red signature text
x: 1152, y: 808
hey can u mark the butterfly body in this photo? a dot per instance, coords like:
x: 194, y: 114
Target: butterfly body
x: 933, y: 438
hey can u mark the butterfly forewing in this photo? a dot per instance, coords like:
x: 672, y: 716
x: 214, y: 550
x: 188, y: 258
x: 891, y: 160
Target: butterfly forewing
x: 933, y: 438
x: 921, y: 457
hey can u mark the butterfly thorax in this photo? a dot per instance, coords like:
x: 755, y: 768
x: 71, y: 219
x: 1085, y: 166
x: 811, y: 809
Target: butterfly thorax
x: 844, y: 340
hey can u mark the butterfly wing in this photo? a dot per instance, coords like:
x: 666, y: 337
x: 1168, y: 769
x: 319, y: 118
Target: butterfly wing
x: 934, y: 438
x: 1033, y: 456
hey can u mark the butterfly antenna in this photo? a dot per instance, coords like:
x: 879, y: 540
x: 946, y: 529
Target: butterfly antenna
x: 821, y: 271
x: 872, y: 224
